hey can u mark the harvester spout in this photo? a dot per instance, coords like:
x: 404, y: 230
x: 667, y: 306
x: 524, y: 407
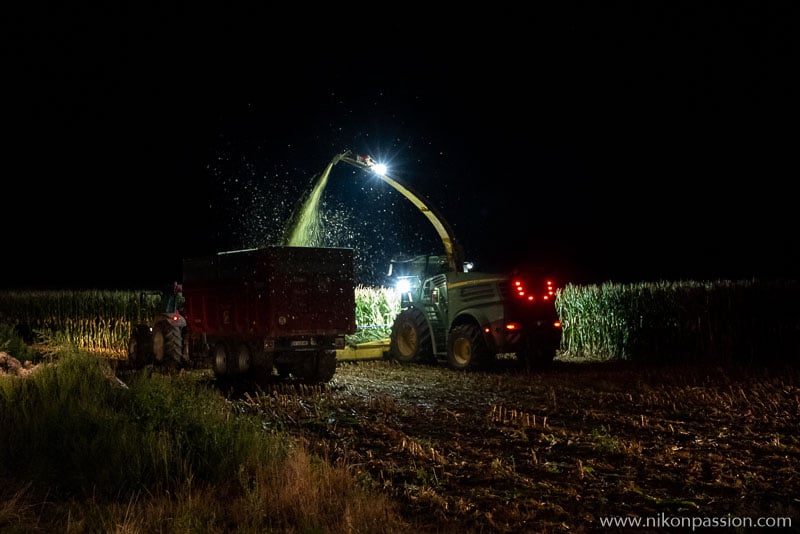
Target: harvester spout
x: 452, y: 248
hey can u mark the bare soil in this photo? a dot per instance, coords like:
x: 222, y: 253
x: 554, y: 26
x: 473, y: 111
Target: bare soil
x: 556, y: 450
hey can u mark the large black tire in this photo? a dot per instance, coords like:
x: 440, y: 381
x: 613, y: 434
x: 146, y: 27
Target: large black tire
x: 167, y: 344
x: 326, y: 366
x: 323, y: 368
x: 221, y: 359
x: 241, y: 358
x: 410, y: 340
x: 466, y: 348
x: 140, y: 347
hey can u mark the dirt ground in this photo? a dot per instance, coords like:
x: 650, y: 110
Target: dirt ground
x: 558, y: 450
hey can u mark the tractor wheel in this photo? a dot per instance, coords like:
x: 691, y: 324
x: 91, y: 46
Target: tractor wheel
x: 167, y: 344
x: 410, y: 340
x: 466, y: 348
x: 140, y: 347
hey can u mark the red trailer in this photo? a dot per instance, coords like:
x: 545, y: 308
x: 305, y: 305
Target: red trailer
x: 258, y: 313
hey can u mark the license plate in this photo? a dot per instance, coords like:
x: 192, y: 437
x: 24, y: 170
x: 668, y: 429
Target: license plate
x: 300, y: 343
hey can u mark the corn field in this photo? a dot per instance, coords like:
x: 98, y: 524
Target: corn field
x: 376, y: 308
x: 101, y: 321
x: 650, y: 322
x: 724, y: 320
x: 94, y: 320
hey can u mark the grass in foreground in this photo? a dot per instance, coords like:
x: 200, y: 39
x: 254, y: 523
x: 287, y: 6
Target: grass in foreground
x: 81, y: 451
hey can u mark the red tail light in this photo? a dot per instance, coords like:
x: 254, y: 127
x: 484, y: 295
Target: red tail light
x: 524, y: 290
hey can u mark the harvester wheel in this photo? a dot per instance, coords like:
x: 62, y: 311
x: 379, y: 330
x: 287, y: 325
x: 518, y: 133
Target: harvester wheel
x: 467, y: 349
x: 167, y: 344
x: 140, y: 347
x: 410, y: 340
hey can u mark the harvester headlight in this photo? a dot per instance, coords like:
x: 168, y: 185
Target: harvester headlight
x: 403, y: 285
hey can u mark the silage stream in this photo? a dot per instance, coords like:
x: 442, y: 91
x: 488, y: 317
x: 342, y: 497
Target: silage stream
x: 306, y: 229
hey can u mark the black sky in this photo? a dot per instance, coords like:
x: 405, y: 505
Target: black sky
x: 606, y: 141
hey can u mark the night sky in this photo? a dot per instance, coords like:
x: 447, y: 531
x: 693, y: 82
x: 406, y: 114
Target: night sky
x: 613, y: 141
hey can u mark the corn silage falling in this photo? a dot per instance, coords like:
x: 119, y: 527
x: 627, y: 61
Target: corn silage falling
x: 307, y: 226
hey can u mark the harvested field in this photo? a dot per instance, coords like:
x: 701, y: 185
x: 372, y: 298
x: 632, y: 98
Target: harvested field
x: 560, y: 449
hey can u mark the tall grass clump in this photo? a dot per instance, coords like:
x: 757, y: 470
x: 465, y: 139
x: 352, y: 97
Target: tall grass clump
x: 162, y: 452
x: 76, y: 430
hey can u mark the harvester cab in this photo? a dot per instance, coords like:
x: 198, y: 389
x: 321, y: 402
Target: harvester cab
x: 407, y: 275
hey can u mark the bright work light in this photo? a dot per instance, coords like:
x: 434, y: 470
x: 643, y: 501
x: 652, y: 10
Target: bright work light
x: 403, y: 285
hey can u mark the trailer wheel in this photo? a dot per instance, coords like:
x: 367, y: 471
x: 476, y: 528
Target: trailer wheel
x: 315, y: 367
x: 140, y: 347
x: 167, y: 344
x: 410, y: 340
x: 326, y: 366
x: 186, y: 356
x: 242, y: 358
x: 467, y: 349
x: 308, y: 367
x: 221, y: 362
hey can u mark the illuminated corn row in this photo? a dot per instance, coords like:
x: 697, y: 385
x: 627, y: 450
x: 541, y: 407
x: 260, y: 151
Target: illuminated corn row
x: 624, y: 321
x: 668, y: 321
x: 663, y: 321
x: 376, y: 308
x: 94, y: 320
